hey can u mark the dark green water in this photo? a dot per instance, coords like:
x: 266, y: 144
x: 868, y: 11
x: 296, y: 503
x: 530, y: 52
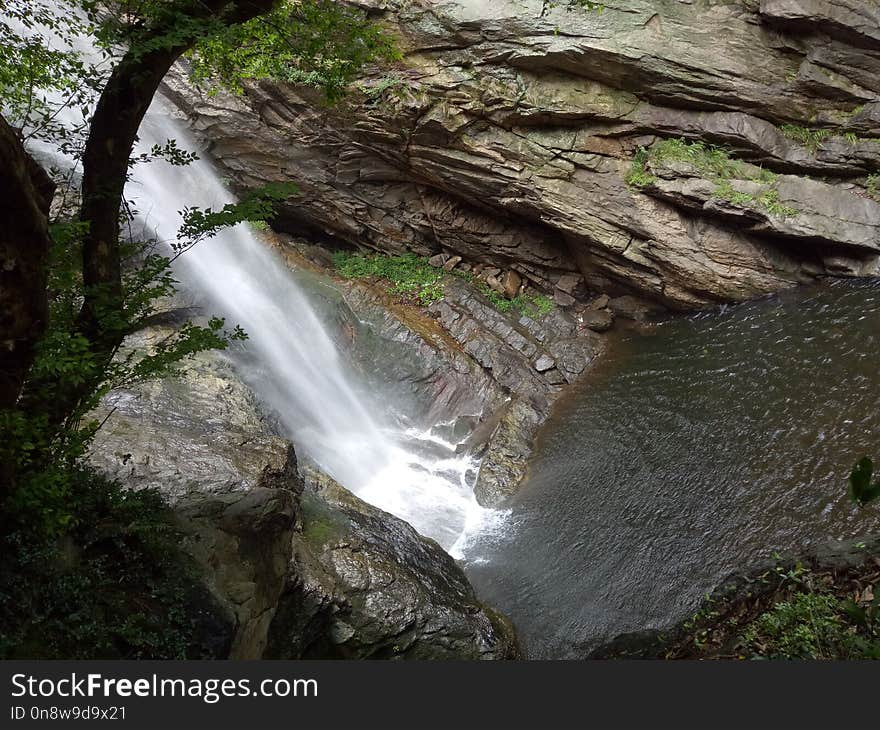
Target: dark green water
x: 690, y: 452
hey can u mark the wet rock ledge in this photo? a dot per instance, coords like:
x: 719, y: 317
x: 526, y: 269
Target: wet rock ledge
x: 297, y: 567
x: 460, y: 359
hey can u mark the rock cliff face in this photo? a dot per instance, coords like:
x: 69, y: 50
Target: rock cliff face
x: 296, y: 569
x: 528, y: 135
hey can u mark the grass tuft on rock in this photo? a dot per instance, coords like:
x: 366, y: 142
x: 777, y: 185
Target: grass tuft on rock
x: 716, y: 165
x: 410, y: 277
x: 530, y: 305
x: 638, y: 175
x: 809, y: 138
x: 413, y: 280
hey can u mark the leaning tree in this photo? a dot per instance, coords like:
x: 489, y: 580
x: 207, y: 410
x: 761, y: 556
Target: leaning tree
x: 66, y: 299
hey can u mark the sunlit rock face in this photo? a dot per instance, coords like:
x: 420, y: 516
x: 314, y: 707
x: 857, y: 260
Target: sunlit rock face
x: 507, y: 133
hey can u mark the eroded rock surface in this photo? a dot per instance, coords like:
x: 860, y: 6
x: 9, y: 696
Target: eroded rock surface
x: 364, y: 585
x: 318, y: 574
x: 507, y: 134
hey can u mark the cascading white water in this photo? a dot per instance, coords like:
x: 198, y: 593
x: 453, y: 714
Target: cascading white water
x: 333, y: 419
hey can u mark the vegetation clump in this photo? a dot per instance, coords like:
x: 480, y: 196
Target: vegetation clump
x: 410, y: 277
x: 808, y: 625
x: 114, y: 585
x: 530, y: 305
x: 413, y: 280
x: 638, y: 175
x: 715, y: 164
x: 706, y: 159
x: 766, y: 199
x: 809, y: 138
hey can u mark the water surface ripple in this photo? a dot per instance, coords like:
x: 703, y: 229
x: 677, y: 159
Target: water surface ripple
x: 690, y: 451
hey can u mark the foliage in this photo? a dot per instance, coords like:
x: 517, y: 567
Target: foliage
x: 170, y: 152
x: 254, y: 207
x: 638, y: 175
x: 410, y: 277
x: 873, y: 186
x: 413, y: 279
x: 116, y: 586
x: 809, y: 138
x: 716, y: 165
x: 861, y: 489
x: 321, y: 43
x: 43, y: 71
x: 812, y: 625
x: 31, y: 68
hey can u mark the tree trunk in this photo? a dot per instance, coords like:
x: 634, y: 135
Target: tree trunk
x: 25, y: 196
x: 112, y: 134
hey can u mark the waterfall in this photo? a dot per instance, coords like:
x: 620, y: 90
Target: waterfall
x: 289, y: 359
x: 332, y: 417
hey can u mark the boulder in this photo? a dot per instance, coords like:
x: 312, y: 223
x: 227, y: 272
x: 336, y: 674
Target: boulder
x: 364, y: 585
x: 570, y: 283
x: 563, y: 299
x: 630, y: 307
x: 495, y: 284
x: 598, y: 320
x: 510, y: 283
x: 544, y: 363
x: 600, y: 302
x: 451, y: 263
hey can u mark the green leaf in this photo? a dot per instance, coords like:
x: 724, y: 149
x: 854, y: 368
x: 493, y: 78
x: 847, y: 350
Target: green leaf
x: 856, y: 613
x: 862, y: 491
